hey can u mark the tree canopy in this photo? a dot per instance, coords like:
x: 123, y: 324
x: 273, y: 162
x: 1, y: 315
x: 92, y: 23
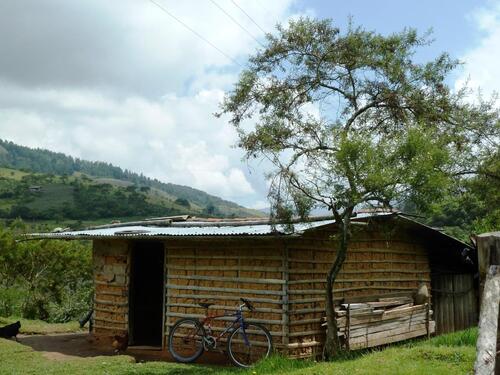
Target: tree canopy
x: 353, y: 118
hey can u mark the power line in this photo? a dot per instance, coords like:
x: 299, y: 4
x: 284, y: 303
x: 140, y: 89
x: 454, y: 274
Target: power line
x: 195, y: 33
x: 249, y: 17
x: 236, y: 22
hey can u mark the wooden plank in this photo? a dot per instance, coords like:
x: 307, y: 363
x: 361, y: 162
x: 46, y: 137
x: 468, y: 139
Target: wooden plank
x: 397, y: 261
x: 225, y: 268
x: 394, y: 338
x: 225, y: 290
x: 225, y: 298
x: 226, y: 319
x: 380, y: 297
x: 390, y: 337
x: 362, y: 325
x: 408, y: 311
x: 230, y: 257
x: 286, y: 313
x: 343, y: 272
x: 224, y: 307
x: 337, y: 290
x: 227, y: 279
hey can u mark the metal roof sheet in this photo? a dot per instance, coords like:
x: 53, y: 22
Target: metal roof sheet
x: 172, y: 231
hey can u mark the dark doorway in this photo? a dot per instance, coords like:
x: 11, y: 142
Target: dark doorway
x: 146, y: 294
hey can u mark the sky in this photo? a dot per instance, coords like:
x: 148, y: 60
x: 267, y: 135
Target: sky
x: 121, y: 81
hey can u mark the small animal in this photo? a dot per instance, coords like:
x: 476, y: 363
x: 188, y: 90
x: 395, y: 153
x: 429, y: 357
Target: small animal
x: 11, y: 330
x: 422, y: 294
x: 120, y: 343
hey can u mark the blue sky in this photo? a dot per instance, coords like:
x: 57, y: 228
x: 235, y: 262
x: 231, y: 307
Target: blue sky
x: 122, y: 82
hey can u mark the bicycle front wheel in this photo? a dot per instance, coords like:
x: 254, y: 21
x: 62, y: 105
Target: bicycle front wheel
x: 249, y: 344
x: 185, y: 341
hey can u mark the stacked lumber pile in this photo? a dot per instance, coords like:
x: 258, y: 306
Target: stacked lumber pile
x: 382, y: 321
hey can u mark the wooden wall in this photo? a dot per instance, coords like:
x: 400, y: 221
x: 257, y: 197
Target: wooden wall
x: 454, y: 302
x: 111, y: 276
x: 284, y: 277
x: 378, y: 262
x: 220, y: 271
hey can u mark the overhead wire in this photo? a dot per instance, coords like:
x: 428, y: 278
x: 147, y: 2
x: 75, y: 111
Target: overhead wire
x: 236, y: 22
x: 249, y: 17
x: 166, y: 11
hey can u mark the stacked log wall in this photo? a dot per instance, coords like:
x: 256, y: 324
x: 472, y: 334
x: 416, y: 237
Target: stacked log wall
x: 111, y: 260
x: 221, y: 271
x: 377, y: 263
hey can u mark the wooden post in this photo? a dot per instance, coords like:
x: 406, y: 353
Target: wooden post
x: 348, y: 327
x: 488, y: 324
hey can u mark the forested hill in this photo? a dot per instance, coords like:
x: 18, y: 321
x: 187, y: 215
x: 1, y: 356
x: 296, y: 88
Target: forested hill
x: 72, y: 170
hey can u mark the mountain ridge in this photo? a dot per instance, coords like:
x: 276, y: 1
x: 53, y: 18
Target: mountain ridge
x: 49, y: 163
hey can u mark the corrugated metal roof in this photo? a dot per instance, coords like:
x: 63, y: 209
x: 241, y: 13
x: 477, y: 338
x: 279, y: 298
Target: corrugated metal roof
x: 191, y: 231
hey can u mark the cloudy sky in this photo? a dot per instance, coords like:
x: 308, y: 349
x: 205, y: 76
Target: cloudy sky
x: 121, y: 81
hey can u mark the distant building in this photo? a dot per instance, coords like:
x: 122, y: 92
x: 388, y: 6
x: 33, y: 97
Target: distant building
x: 35, y: 188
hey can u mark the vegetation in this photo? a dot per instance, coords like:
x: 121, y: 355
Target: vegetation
x: 388, y: 131
x: 99, y: 190
x: 40, y: 327
x: 444, y: 355
x: 46, y: 280
x: 472, y: 206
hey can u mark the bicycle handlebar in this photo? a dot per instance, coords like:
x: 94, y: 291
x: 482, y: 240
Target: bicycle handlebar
x: 247, y: 304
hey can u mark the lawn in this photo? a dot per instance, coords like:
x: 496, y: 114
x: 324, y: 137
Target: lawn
x: 448, y: 354
x: 31, y: 327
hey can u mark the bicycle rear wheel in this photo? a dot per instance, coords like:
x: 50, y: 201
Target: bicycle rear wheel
x: 185, y: 341
x: 257, y: 346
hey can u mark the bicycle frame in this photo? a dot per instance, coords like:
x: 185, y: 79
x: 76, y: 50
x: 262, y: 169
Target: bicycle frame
x: 239, y: 321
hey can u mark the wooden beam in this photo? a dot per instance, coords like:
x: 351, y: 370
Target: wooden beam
x: 488, y: 324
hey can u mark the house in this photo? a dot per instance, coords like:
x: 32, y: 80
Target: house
x: 148, y: 276
x: 35, y: 189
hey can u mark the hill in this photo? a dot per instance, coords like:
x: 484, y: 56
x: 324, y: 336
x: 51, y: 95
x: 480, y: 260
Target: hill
x: 39, y: 184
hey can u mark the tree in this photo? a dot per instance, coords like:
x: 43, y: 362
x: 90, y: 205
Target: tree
x: 350, y: 119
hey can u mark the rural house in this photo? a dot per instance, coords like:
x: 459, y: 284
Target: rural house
x: 148, y: 276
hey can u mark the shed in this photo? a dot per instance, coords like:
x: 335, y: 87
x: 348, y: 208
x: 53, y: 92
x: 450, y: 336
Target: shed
x: 147, y: 277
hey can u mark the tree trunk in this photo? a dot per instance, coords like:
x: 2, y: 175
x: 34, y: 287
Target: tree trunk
x: 332, y: 344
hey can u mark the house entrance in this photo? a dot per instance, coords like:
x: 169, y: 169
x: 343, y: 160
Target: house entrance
x: 147, y: 294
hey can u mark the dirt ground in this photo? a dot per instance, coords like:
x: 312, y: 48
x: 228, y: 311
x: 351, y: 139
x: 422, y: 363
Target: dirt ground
x: 68, y: 346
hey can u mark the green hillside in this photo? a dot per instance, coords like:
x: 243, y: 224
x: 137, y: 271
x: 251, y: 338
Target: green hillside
x: 41, y: 185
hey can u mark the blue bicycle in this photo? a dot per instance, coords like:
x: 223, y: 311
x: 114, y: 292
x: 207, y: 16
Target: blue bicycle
x: 247, y: 343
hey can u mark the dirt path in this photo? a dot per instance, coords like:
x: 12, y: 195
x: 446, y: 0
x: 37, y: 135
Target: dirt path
x: 68, y: 346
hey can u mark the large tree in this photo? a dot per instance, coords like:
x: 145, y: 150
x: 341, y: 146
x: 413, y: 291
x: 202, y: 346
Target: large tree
x: 350, y: 119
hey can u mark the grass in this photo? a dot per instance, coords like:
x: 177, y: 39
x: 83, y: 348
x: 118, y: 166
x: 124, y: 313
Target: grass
x: 445, y: 355
x: 39, y: 327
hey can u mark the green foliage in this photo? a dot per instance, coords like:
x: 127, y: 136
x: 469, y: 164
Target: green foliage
x: 48, y: 280
x: 389, y: 129
x: 473, y: 204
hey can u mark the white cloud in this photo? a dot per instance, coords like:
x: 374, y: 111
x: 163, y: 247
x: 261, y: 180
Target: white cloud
x: 481, y: 62
x: 122, y: 82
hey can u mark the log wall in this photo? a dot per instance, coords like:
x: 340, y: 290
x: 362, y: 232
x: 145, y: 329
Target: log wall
x: 378, y: 262
x: 220, y: 271
x: 111, y: 276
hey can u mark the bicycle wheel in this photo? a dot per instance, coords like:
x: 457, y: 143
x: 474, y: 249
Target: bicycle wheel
x: 258, y: 344
x: 185, y: 341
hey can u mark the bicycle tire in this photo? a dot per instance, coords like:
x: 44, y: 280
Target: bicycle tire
x: 186, y: 324
x: 258, y: 337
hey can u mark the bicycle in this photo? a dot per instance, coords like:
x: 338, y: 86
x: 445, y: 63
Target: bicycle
x: 247, y: 342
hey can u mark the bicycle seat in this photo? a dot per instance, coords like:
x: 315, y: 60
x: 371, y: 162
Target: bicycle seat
x: 205, y: 305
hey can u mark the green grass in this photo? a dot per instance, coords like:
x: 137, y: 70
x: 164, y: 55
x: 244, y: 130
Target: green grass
x: 13, y: 174
x: 444, y: 355
x: 31, y: 327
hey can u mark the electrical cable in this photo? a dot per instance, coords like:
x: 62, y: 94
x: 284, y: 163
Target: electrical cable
x: 195, y: 32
